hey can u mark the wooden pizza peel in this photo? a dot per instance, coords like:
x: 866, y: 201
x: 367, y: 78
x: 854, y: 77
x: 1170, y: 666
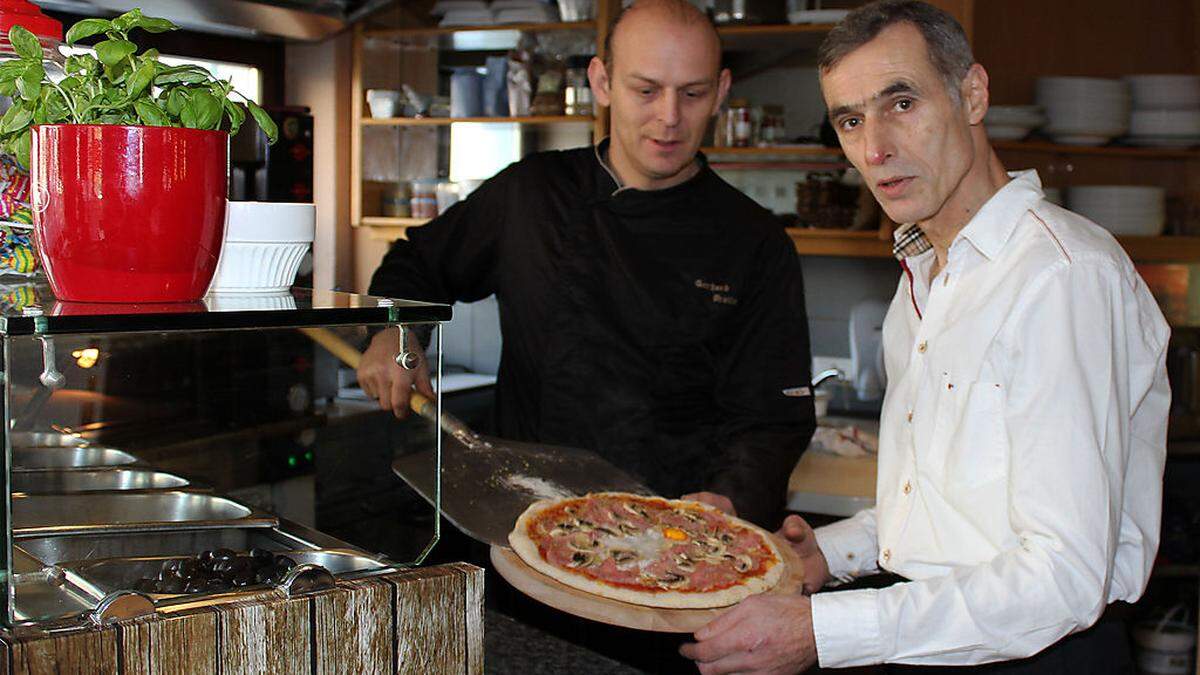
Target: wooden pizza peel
x: 562, y: 597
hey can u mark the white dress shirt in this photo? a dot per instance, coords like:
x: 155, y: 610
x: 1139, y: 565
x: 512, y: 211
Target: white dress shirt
x: 1022, y: 444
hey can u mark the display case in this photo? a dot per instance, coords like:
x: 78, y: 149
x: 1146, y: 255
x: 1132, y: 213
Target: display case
x: 156, y: 455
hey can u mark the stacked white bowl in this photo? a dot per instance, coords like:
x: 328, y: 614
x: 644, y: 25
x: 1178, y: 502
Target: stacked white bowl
x: 1012, y: 122
x: 1166, y: 110
x: 1084, y: 110
x: 1133, y: 210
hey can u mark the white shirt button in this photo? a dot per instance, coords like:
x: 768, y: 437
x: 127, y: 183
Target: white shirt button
x: 921, y: 347
x: 887, y: 554
x: 907, y: 487
x: 909, y: 415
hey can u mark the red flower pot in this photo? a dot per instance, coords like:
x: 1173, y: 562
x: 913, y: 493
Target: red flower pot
x: 129, y: 214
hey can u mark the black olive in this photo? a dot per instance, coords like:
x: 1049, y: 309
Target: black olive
x: 285, y: 563
x: 171, y: 565
x: 223, y: 567
x: 224, y: 554
x: 146, y: 585
x: 173, y: 585
x: 243, y: 578
x: 216, y: 585
x: 187, y: 567
x: 205, y: 556
x: 261, y: 554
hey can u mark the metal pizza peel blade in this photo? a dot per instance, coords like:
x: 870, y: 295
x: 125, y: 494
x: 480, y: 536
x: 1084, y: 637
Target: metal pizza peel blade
x: 487, y: 482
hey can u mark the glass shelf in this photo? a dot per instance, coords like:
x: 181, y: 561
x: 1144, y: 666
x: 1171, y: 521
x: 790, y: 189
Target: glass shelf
x: 297, y: 308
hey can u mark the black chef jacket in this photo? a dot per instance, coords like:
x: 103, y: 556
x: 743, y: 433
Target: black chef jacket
x: 663, y: 329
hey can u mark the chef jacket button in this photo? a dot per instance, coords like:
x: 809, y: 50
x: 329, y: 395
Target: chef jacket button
x: 849, y: 556
x: 907, y: 487
x: 887, y: 554
x: 909, y: 415
x: 921, y: 347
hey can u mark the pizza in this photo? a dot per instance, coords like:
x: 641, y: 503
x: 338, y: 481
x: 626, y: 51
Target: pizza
x: 647, y: 550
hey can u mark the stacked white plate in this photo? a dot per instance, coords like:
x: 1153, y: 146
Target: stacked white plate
x: 1084, y: 110
x: 1166, y: 110
x: 1136, y: 210
x: 1012, y: 122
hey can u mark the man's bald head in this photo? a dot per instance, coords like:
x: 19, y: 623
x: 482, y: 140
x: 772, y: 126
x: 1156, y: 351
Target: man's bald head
x: 678, y: 12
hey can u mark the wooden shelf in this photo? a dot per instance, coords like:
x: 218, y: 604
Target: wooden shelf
x: 781, y: 165
x: 446, y: 121
x: 435, y: 31
x: 1099, y: 151
x: 391, y: 221
x: 788, y: 150
x: 788, y: 37
x: 867, y: 244
x: 775, y: 29
x: 840, y: 243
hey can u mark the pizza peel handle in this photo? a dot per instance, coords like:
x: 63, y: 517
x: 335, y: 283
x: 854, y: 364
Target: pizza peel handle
x: 350, y: 356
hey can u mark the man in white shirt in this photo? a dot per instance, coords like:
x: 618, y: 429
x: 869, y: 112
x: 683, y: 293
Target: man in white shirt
x: 1023, y: 432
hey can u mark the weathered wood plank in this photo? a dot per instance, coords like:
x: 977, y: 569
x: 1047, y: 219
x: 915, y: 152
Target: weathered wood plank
x: 352, y: 629
x: 268, y: 636
x: 90, y: 652
x: 430, y: 622
x: 169, y: 645
x: 473, y: 612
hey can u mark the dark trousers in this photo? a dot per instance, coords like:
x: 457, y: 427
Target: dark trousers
x: 1102, y: 649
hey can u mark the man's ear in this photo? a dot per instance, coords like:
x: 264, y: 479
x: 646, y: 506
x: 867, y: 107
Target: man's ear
x: 598, y: 79
x: 724, y: 81
x: 975, y: 94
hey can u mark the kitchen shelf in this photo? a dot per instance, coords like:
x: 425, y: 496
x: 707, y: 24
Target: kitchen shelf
x: 867, y: 244
x: 1099, y: 151
x: 789, y: 150
x: 390, y: 221
x: 840, y: 243
x: 435, y: 31
x: 446, y: 121
x: 780, y: 165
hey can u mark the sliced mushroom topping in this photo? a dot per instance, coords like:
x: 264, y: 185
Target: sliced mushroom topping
x: 582, y: 559
x: 581, y: 541
x: 603, y: 529
x: 688, y: 514
x: 743, y: 563
x: 726, y: 538
x: 629, y: 528
x: 586, y: 525
x: 622, y: 557
x: 711, y: 546
x: 570, y: 510
x: 635, y: 509
x: 684, y: 564
x: 671, y: 580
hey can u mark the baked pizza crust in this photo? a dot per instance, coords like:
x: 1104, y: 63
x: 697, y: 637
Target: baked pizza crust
x: 527, y: 550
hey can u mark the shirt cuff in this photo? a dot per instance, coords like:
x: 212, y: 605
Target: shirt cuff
x: 849, y: 550
x: 846, y: 628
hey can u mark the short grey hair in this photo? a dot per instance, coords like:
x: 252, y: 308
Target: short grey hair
x: 945, y: 40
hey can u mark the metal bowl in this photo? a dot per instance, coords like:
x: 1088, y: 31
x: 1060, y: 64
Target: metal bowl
x: 93, y: 480
x: 79, y: 513
x: 52, y: 550
x: 45, y: 439
x: 35, y: 459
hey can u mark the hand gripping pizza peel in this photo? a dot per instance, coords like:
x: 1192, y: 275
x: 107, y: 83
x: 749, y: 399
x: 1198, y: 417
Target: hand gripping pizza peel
x: 487, y: 482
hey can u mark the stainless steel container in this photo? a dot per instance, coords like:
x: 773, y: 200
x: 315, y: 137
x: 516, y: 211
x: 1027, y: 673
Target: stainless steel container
x: 55, y: 550
x: 36, y: 459
x: 79, y: 513
x: 93, y: 480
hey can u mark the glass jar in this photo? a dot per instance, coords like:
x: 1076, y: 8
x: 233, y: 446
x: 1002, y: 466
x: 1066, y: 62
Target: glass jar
x: 739, y: 126
x: 424, y: 198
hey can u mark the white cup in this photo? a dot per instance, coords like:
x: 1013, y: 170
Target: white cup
x: 384, y: 103
x: 265, y: 243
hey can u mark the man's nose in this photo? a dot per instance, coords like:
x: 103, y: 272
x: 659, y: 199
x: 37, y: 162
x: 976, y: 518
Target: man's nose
x: 668, y: 108
x: 879, y: 148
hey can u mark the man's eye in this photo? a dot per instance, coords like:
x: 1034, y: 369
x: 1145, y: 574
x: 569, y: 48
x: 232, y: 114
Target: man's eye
x: 645, y: 92
x: 693, y: 94
x: 849, y: 124
x: 904, y: 104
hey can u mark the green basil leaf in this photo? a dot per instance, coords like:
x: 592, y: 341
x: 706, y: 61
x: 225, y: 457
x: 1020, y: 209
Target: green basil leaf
x: 127, y: 20
x: 176, y: 99
x: 237, y: 116
x: 151, y: 114
x: 188, y: 115
x: 30, y: 82
x: 153, y: 25
x: 86, y: 29
x: 140, y: 79
x: 21, y: 148
x: 17, y: 118
x: 207, y: 110
x: 70, y: 83
x: 112, y: 52
x: 11, y: 70
x: 8, y: 89
x: 81, y: 64
x: 264, y: 122
x: 182, y: 75
x: 25, y: 43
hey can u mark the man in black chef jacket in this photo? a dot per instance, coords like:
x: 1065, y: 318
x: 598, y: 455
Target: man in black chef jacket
x: 650, y: 311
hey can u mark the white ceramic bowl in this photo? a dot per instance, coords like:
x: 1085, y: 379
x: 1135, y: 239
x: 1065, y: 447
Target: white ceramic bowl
x: 1133, y: 210
x: 1165, y: 123
x: 1007, y: 132
x: 1174, y: 92
x: 264, y: 245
